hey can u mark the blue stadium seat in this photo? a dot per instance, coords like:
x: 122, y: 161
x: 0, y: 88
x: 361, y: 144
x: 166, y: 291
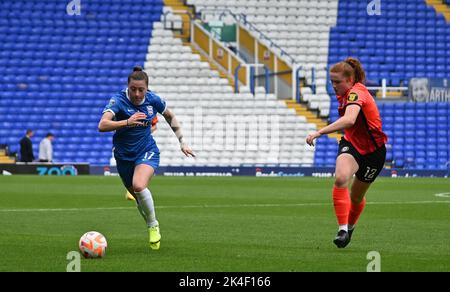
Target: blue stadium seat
x: 43, y: 43
x: 415, y: 38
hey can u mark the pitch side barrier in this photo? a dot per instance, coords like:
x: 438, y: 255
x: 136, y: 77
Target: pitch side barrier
x: 268, y: 171
x: 244, y: 170
x: 45, y: 168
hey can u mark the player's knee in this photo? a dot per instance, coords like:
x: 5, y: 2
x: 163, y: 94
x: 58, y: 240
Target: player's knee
x: 139, y: 187
x: 341, y: 181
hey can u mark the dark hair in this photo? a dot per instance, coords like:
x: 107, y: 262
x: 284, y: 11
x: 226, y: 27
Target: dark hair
x: 138, y: 74
x: 29, y: 131
x: 351, y: 67
x: 50, y: 135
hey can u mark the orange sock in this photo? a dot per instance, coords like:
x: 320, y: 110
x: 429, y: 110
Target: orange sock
x: 355, y: 211
x: 341, y: 201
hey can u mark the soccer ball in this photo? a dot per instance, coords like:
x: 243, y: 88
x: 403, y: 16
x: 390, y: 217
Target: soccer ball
x: 93, y: 244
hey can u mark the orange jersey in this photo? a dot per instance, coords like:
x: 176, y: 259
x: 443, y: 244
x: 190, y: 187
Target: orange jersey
x: 366, y: 134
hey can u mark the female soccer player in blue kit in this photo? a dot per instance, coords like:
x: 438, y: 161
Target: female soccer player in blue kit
x: 130, y: 113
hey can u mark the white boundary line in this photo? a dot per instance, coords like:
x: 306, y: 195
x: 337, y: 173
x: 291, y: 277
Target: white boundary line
x: 443, y: 195
x: 216, y: 206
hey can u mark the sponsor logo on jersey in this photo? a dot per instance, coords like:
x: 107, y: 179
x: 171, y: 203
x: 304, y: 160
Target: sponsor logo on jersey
x: 352, y: 97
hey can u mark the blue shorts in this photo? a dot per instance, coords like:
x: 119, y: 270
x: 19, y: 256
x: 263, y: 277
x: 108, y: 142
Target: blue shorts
x: 126, y: 168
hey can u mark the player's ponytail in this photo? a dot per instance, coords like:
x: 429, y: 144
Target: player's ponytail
x: 138, y: 74
x: 351, y: 67
x: 360, y: 75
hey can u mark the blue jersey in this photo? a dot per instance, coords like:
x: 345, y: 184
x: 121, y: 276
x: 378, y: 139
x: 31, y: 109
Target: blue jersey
x: 131, y: 142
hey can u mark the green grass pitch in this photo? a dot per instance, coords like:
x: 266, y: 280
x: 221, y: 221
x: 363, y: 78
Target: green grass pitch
x: 242, y: 224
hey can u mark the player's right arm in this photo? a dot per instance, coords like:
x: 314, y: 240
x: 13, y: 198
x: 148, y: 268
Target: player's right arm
x: 107, y: 124
x: 344, y: 122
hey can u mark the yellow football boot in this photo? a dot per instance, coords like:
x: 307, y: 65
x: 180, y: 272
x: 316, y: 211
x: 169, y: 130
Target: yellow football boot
x: 154, y: 237
x: 129, y: 196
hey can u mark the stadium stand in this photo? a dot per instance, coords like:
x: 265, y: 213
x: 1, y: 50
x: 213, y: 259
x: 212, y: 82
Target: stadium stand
x: 301, y: 28
x: 59, y: 70
x: 236, y: 128
x: 409, y: 39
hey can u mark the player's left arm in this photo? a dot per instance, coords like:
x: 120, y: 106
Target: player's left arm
x: 344, y: 122
x: 170, y: 118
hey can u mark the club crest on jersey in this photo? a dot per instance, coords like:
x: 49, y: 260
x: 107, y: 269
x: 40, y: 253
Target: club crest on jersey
x: 352, y: 96
x: 150, y: 110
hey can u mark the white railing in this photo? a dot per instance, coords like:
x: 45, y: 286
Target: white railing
x: 384, y: 88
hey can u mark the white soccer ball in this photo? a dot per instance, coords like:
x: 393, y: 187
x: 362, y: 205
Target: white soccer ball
x: 93, y: 244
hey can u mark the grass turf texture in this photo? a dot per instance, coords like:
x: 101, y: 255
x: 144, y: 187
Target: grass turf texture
x: 222, y: 224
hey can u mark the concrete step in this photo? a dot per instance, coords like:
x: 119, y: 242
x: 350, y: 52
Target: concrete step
x: 440, y: 8
x: 311, y: 117
x: 6, y: 159
x: 213, y: 66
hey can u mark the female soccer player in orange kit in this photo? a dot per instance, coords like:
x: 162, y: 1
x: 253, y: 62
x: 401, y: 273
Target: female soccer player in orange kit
x: 362, y: 150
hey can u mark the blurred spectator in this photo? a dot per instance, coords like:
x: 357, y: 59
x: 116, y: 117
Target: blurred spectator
x: 26, y: 147
x: 46, y: 148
